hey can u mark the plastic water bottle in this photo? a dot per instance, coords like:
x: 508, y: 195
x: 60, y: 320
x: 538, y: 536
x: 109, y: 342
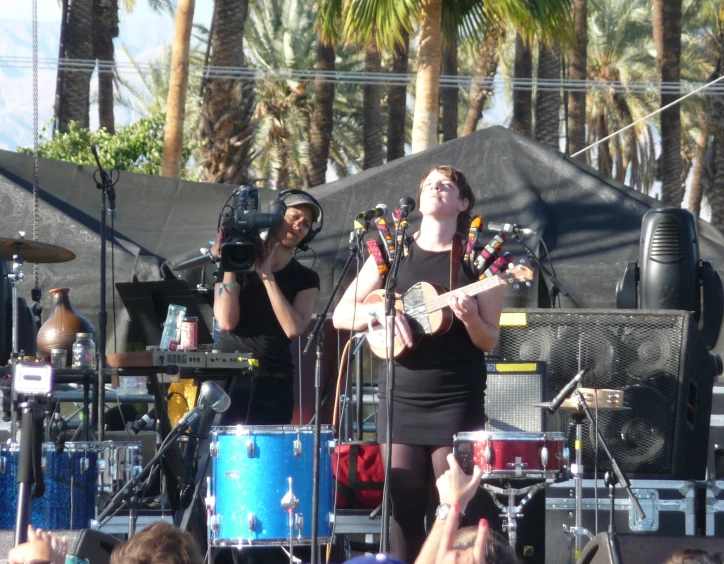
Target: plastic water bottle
x: 172, y: 327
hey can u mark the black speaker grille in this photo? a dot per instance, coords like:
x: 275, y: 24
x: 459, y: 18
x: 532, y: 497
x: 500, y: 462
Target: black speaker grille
x: 667, y: 242
x: 635, y: 352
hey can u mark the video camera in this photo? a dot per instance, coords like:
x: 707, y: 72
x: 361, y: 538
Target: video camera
x: 243, y: 223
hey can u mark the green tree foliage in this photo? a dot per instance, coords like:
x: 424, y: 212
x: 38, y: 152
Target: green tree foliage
x: 135, y: 148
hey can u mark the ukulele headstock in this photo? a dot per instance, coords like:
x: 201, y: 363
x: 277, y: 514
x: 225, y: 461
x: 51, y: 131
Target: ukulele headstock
x: 517, y: 274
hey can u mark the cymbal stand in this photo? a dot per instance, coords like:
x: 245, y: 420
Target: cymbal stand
x: 577, y: 472
x: 512, y: 512
x: 15, y: 277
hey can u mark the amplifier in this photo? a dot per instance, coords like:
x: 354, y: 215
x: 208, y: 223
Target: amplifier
x: 512, y: 389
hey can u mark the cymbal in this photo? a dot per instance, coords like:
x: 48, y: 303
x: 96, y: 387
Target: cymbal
x: 33, y: 251
x: 608, y: 400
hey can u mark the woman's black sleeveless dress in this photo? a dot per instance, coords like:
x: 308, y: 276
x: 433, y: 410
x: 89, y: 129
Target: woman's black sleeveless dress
x: 439, y: 386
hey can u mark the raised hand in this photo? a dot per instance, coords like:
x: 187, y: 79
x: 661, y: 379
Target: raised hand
x: 446, y: 554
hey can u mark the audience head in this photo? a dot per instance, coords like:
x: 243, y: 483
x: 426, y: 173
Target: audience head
x: 497, y: 551
x: 694, y: 556
x: 161, y: 543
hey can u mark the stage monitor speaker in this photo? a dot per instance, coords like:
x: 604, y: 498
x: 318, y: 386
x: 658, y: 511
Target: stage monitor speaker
x: 512, y: 389
x: 94, y: 546
x: 656, y: 357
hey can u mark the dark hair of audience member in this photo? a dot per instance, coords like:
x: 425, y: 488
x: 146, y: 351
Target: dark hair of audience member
x: 693, y: 556
x: 161, y: 543
x: 497, y: 550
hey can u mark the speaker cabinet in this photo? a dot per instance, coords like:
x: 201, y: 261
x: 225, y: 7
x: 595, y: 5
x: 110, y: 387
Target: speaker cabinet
x: 657, y: 358
x: 512, y: 388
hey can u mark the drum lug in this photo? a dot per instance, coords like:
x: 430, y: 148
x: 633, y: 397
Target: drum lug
x: 44, y: 464
x: 214, y: 449
x: 253, y: 522
x: 214, y: 522
x: 299, y: 524
x: 566, y: 456
x: 250, y: 449
x: 3, y: 464
x: 297, y: 448
x: 518, y: 465
x: 331, y: 445
x: 210, y: 503
x: 488, y: 455
x: 84, y: 464
x: 289, y: 501
x: 544, y: 457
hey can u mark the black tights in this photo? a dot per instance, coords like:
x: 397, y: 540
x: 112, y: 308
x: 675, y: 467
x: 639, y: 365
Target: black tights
x: 414, y: 470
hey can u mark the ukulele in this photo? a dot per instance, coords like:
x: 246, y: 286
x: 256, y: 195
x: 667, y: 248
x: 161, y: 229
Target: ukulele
x: 426, y: 307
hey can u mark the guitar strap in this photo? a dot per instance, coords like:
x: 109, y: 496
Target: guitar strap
x: 456, y: 255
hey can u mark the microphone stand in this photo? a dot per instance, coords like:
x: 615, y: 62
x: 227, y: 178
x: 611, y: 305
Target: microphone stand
x: 29, y: 464
x: 99, y: 402
x: 558, y: 286
x: 390, y: 313
x: 317, y: 334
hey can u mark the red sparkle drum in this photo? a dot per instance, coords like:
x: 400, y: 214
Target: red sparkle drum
x: 513, y: 455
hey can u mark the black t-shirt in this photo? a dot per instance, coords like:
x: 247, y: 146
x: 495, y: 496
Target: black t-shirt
x: 259, y: 331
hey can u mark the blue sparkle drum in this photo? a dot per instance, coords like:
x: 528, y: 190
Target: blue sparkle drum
x: 71, y: 483
x: 260, y: 488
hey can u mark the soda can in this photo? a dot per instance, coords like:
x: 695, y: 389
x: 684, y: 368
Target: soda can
x: 189, y: 334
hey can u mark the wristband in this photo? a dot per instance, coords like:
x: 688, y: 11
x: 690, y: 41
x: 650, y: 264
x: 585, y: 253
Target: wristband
x: 227, y: 285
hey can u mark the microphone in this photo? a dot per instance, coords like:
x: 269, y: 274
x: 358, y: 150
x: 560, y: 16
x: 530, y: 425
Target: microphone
x: 379, y: 211
x: 211, y: 395
x: 407, y: 206
x: 510, y: 228
x: 140, y: 424
x: 148, y: 419
x: 110, y: 191
x: 201, y: 260
x: 565, y: 392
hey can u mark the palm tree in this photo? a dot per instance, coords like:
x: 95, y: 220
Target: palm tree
x: 577, y: 71
x: 548, y: 95
x: 320, y: 131
x: 105, y: 29
x: 544, y: 17
x: 397, y: 100
x: 482, y: 88
x: 73, y: 85
x: 175, y: 112
x: 667, y: 38
x: 226, y: 131
x: 281, y: 35
x: 449, y: 94
x: 372, y: 111
x: 618, y: 59
x: 522, y: 96
x: 703, y: 35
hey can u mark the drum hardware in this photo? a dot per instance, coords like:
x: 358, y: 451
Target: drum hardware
x: 289, y: 504
x: 581, y: 410
x: 511, y: 512
x: 211, y: 398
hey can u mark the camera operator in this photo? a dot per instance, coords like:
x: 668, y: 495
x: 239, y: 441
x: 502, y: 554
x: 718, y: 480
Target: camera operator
x: 260, y: 311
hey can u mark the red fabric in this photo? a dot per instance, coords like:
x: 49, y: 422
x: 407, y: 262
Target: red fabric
x: 363, y: 491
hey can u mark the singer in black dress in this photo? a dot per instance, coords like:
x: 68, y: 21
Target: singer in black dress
x: 439, y: 385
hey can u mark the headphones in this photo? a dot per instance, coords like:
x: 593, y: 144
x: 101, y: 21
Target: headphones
x: 309, y: 199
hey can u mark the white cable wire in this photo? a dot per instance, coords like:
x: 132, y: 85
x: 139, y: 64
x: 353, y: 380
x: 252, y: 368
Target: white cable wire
x: 358, y: 77
x: 630, y: 125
